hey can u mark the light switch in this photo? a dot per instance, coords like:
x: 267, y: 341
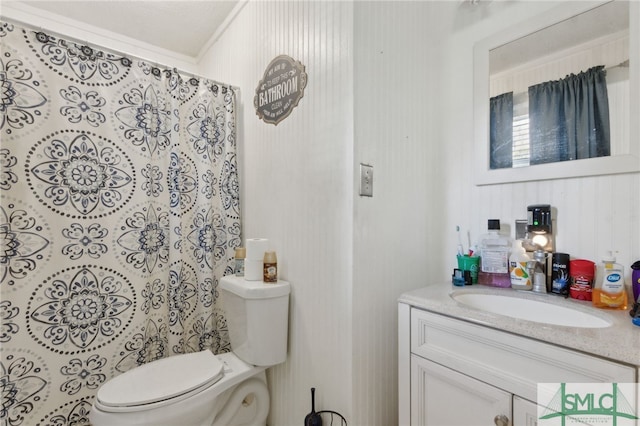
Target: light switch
x: 366, y: 180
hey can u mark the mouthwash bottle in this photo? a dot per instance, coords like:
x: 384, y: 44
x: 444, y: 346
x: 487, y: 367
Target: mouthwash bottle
x: 609, y: 291
x: 494, y: 257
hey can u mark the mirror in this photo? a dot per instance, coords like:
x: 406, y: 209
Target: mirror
x: 562, y: 41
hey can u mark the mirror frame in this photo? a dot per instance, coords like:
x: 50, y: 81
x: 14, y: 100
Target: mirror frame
x: 624, y: 163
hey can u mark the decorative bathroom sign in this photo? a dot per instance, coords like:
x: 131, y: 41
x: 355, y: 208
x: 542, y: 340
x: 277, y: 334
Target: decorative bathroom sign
x: 280, y: 89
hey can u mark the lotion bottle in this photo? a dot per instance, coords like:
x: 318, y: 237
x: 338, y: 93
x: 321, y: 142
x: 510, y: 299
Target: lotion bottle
x: 609, y: 289
x: 518, y: 264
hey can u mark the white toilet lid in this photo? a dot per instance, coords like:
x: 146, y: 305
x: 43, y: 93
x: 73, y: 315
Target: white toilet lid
x: 162, y: 379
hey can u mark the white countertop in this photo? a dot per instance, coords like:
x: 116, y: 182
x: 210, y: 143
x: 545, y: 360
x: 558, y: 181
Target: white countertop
x: 619, y: 342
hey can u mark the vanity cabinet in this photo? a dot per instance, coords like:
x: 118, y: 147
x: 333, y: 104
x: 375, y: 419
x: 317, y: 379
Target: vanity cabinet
x: 454, y: 372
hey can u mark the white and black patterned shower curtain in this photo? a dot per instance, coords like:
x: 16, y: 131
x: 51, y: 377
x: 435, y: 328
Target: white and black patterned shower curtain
x: 119, y: 214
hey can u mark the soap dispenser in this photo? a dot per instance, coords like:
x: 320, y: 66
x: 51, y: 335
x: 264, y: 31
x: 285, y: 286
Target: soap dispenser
x: 518, y: 267
x: 609, y: 290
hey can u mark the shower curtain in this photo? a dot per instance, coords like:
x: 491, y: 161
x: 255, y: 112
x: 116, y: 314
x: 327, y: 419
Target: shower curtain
x: 119, y: 214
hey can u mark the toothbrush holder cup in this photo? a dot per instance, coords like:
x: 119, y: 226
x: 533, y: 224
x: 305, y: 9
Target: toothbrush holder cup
x: 470, y: 263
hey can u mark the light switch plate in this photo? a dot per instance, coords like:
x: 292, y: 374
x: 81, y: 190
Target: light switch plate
x: 366, y: 180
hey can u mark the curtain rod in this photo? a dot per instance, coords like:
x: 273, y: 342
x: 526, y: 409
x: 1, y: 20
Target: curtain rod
x: 623, y: 64
x: 115, y: 51
x: 521, y: 96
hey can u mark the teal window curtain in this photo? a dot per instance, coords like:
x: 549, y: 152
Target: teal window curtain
x: 569, y: 118
x: 501, y: 131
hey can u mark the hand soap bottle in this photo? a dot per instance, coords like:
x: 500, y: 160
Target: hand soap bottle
x: 609, y: 290
x: 518, y: 267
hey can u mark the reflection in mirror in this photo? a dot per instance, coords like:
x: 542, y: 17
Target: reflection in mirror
x: 552, y: 92
x: 553, y: 95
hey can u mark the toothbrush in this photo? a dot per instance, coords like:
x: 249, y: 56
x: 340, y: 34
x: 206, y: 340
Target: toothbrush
x: 460, y: 248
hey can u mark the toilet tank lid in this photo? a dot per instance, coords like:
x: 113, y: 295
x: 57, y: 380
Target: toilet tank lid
x: 161, y: 379
x: 254, y: 289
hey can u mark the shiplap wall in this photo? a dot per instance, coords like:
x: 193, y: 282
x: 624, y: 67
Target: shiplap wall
x: 368, y: 101
x: 296, y: 188
x: 398, y: 232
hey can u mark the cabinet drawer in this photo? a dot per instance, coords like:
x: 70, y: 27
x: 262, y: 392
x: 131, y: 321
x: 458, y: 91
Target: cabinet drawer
x: 513, y: 363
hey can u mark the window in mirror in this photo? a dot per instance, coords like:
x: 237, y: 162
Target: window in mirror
x: 594, y: 72
x: 521, y: 131
x: 570, y: 118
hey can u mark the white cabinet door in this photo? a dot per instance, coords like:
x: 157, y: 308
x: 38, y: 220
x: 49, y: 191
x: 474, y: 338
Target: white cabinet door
x: 525, y: 412
x: 443, y: 397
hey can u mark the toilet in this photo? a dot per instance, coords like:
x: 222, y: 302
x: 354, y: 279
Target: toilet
x: 203, y: 389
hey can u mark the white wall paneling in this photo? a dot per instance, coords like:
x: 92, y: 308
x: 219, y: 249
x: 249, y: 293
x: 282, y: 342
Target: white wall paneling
x: 296, y: 188
x: 397, y: 77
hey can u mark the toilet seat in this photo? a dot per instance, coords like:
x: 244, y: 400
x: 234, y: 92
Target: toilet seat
x: 168, y: 379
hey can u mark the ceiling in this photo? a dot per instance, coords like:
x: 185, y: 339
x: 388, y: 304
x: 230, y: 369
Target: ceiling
x: 182, y: 26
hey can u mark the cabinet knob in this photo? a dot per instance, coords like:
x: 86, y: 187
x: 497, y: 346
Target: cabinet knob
x: 501, y: 420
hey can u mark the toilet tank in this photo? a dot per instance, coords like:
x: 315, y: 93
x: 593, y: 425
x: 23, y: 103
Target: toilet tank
x: 258, y: 319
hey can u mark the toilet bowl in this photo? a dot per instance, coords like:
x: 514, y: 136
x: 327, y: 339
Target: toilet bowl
x: 203, y: 389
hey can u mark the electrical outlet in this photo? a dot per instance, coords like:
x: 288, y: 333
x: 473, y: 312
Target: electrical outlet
x: 366, y: 180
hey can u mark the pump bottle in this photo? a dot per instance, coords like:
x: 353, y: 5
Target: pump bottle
x: 518, y: 267
x: 609, y: 290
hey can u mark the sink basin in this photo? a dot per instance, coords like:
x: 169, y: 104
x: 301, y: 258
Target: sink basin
x: 531, y: 310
